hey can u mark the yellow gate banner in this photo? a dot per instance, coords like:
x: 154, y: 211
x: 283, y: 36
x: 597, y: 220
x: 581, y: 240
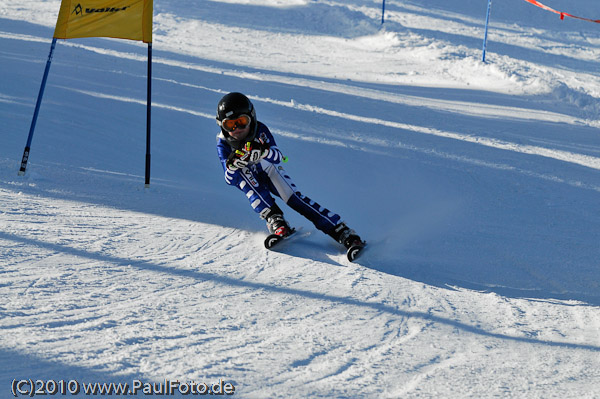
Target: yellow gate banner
x: 121, y: 19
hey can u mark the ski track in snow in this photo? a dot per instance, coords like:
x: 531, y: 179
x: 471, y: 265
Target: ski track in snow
x: 128, y: 285
x: 484, y: 284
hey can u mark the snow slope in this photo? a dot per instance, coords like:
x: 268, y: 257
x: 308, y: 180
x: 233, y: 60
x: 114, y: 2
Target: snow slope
x: 475, y: 184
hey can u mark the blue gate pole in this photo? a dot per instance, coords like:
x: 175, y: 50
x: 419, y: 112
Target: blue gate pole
x: 382, y: 12
x: 37, y: 111
x: 148, y: 116
x: 487, y: 21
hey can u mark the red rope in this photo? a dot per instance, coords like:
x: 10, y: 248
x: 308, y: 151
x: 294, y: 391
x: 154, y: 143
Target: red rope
x: 562, y: 14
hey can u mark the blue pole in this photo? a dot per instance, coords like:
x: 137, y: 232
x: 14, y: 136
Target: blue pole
x: 487, y: 21
x: 382, y: 12
x: 148, y: 115
x: 37, y: 111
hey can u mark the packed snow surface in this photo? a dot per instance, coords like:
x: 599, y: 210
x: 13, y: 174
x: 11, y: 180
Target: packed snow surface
x: 476, y: 185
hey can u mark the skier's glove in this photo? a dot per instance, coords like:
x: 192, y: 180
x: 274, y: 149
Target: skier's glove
x: 254, y: 151
x: 236, y: 160
x: 257, y: 150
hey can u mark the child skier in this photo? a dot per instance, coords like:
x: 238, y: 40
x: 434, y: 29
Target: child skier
x: 251, y: 161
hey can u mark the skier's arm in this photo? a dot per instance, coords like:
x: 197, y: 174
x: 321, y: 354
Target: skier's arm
x: 273, y: 154
x: 232, y: 177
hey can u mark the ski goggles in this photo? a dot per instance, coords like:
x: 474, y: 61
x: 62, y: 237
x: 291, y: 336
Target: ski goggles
x: 238, y: 123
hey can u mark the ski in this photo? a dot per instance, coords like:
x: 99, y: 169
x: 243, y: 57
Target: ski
x: 273, y: 239
x: 354, y: 251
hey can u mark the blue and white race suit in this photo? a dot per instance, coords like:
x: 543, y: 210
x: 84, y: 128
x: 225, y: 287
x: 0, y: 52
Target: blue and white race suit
x: 261, y: 180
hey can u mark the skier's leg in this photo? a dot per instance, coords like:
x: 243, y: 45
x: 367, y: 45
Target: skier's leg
x: 326, y: 221
x: 258, y: 193
x: 282, y: 185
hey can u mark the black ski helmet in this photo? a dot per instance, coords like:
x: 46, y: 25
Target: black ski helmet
x: 233, y: 105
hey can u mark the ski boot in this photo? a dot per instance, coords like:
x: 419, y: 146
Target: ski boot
x: 349, y: 239
x: 278, y: 226
x: 279, y: 229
